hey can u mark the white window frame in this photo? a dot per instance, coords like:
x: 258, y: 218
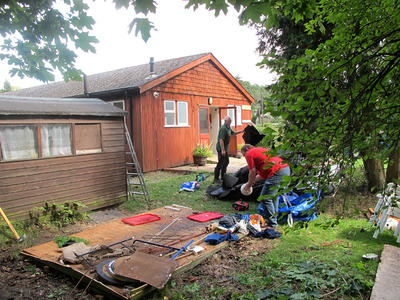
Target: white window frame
x: 231, y: 113
x: 184, y: 112
x: 169, y: 111
x: 177, y: 112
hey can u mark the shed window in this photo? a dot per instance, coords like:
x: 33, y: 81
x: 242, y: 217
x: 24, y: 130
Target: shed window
x: 176, y: 113
x: 56, y: 139
x: 18, y: 142
x: 87, y: 138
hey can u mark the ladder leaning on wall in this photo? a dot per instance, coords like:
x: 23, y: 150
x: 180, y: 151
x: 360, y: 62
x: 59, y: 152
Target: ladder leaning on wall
x: 134, y: 176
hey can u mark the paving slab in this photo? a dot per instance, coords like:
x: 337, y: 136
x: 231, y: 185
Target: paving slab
x: 387, y: 282
x: 235, y: 163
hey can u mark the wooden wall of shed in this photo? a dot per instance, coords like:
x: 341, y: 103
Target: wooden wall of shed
x: 165, y: 147
x: 96, y: 180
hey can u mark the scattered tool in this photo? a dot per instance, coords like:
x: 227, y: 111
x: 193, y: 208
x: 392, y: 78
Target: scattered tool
x: 176, y: 219
x: 183, y: 248
x: 200, y: 178
x: 19, y: 239
x: 240, y: 206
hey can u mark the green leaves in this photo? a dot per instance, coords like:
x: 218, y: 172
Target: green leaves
x: 143, y: 26
x: 48, y: 38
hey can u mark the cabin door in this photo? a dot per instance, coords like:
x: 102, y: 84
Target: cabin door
x: 204, y: 125
x: 230, y: 110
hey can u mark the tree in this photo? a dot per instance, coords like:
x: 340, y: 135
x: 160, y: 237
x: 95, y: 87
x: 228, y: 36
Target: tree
x: 342, y: 97
x: 39, y: 38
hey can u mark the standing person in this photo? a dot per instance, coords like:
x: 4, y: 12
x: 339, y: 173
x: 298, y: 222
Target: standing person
x: 270, y: 169
x: 224, y: 138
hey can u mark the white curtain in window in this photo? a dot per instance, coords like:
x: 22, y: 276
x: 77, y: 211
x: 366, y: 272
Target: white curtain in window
x: 56, y: 139
x: 18, y: 141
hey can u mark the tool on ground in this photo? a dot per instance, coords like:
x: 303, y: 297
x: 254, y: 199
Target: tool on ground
x: 240, y: 206
x: 200, y: 178
x: 19, y: 239
x: 186, y: 238
x: 183, y: 248
x: 108, y: 246
x: 85, y: 259
x: 170, y: 224
x: 154, y: 244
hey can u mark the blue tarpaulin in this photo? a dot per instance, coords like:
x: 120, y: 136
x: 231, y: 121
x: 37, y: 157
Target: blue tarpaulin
x: 297, y: 208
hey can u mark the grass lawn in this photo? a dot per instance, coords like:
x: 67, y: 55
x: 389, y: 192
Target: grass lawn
x: 319, y: 259
x: 322, y: 259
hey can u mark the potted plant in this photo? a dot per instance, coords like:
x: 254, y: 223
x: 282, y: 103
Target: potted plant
x: 200, y: 154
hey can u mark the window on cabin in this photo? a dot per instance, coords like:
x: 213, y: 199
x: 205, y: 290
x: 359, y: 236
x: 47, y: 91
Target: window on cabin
x: 56, y: 139
x: 87, y: 138
x: 182, y: 113
x: 231, y: 113
x: 18, y: 142
x: 176, y: 113
x: 169, y: 113
x: 204, y: 123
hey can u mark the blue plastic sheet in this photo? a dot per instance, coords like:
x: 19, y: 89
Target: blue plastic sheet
x: 190, y: 186
x: 301, y: 207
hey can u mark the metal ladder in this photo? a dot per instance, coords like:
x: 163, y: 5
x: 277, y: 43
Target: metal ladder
x: 134, y: 175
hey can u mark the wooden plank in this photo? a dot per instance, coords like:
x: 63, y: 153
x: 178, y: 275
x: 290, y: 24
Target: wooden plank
x: 62, y: 193
x: 184, y: 230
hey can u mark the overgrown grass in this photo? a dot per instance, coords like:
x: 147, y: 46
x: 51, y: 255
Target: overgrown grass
x: 319, y: 259
x: 312, y: 262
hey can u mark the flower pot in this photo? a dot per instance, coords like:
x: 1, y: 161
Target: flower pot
x: 199, y: 160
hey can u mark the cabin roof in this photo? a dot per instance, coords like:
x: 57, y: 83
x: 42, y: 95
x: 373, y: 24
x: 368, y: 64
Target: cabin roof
x: 125, y: 78
x: 136, y: 78
x: 12, y: 105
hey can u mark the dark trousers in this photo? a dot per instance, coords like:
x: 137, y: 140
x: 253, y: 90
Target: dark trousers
x: 223, y: 162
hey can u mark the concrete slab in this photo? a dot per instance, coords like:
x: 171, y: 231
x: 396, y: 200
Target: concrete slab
x: 235, y: 163
x: 387, y: 282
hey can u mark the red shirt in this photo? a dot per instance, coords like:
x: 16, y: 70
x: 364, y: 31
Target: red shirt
x: 265, y: 165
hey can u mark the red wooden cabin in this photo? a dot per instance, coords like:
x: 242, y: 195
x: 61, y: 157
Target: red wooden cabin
x: 172, y: 105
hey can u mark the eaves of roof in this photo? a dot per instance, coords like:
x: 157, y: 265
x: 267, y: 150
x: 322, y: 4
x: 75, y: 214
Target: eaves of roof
x: 24, y: 106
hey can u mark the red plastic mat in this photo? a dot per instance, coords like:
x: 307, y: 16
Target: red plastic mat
x: 141, y: 219
x: 205, y: 216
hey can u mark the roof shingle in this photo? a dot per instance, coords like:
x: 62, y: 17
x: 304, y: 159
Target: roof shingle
x: 130, y: 77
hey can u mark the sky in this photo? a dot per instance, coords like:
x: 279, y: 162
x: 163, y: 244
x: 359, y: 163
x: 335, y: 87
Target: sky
x: 180, y: 32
